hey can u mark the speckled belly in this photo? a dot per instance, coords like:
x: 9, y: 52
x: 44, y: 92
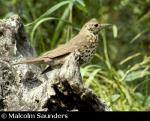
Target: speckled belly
x: 88, y: 52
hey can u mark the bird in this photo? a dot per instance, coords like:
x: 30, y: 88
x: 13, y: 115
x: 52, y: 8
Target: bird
x: 85, y: 42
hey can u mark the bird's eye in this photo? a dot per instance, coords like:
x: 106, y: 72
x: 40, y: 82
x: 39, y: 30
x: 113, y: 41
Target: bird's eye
x: 96, y: 25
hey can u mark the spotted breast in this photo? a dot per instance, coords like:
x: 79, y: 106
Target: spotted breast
x: 89, y: 50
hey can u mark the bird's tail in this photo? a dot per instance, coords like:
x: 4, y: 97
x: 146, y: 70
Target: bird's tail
x: 30, y: 61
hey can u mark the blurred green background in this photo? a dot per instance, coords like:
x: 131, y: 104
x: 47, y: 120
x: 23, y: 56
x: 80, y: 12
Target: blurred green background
x: 120, y: 71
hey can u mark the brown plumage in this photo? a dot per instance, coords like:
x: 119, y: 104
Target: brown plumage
x: 85, y: 42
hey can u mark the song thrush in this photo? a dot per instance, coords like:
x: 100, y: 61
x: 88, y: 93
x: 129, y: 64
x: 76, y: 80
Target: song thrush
x: 85, y: 42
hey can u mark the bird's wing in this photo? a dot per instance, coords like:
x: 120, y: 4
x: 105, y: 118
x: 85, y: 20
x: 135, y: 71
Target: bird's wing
x: 67, y: 48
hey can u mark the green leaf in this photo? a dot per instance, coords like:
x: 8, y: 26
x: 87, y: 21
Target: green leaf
x: 59, y: 26
x: 81, y: 6
x: 91, y: 77
x: 148, y: 101
x: 37, y: 24
x: 139, y: 35
x: 44, y: 20
x: 54, y: 8
x: 89, y: 68
x: 133, y: 76
x: 81, y: 2
x: 129, y: 58
x: 115, y: 31
x: 140, y: 96
x: 115, y: 97
x: 50, y: 11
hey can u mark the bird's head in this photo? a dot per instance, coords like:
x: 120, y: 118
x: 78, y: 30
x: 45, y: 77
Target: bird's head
x: 94, y: 26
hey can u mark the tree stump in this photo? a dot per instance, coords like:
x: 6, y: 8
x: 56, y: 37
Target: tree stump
x: 23, y: 88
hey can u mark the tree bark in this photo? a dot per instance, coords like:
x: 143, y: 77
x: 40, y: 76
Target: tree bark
x: 23, y: 88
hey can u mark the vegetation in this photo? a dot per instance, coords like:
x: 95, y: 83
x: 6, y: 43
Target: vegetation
x: 120, y: 71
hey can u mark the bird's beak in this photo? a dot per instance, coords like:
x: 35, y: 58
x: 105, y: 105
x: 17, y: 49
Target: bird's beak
x: 105, y: 25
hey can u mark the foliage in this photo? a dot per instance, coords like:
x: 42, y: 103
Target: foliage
x: 120, y: 71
